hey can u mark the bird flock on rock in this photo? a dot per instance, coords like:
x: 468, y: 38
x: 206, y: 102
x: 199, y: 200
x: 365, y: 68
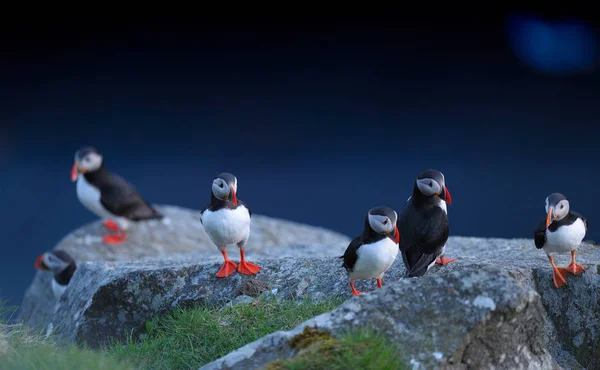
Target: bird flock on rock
x: 419, y: 231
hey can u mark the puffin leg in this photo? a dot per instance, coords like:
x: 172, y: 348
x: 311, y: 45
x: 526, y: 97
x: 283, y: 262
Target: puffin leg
x: 379, y: 283
x: 111, y: 225
x: 228, y: 267
x: 245, y: 267
x: 354, y: 291
x: 115, y: 238
x: 559, y: 274
x: 444, y: 261
x: 573, y: 267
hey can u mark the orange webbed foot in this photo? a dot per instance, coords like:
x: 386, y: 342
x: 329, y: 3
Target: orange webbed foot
x: 115, y: 238
x: 575, y: 269
x: 248, y: 268
x: 444, y: 261
x: 559, y: 276
x: 227, y: 269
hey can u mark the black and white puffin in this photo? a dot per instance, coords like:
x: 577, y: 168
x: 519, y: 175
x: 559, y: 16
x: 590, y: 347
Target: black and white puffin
x: 371, y: 254
x: 62, y: 265
x: 108, y: 196
x: 423, y: 224
x: 561, y: 231
x: 226, y: 220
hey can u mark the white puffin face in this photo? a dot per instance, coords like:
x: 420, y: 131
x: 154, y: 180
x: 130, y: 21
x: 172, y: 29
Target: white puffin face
x: 559, y: 210
x: 429, y: 186
x: 221, y: 189
x: 381, y: 224
x: 54, y: 264
x: 90, y: 162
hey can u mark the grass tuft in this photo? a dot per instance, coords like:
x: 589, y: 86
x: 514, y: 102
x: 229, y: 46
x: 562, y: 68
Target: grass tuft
x: 358, y: 349
x: 187, y: 339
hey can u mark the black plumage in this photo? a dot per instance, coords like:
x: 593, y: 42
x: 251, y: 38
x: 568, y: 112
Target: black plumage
x: 424, y: 227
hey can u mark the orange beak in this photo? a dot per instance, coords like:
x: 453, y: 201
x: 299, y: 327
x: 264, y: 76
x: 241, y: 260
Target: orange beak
x: 397, y: 236
x: 448, y: 196
x: 39, y: 263
x: 233, y: 197
x: 74, y: 172
x: 549, y: 217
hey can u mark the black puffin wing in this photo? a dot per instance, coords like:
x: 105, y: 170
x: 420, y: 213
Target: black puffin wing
x: 350, y: 255
x: 420, y: 266
x: 121, y: 199
x: 406, y: 226
x: 539, y: 235
x: 434, y: 232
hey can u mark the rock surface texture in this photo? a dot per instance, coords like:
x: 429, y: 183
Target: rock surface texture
x: 178, y: 234
x: 496, y: 303
x: 466, y: 319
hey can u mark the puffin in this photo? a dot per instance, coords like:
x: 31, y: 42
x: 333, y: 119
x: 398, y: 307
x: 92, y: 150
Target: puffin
x: 423, y: 223
x: 226, y: 220
x: 370, y: 255
x: 561, y: 231
x: 61, y: 264
x: 108, y: 196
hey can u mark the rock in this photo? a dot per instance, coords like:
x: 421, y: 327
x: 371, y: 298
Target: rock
x: 110, y: 300
x: 476, y: 319
x: 242, y: 299
x: 179, y: 233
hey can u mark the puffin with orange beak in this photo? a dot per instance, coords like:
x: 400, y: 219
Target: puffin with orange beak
x: 561, y: 231
x: 226, y: 220
x: 423, y: 224
x: 371, y: 254
x: 61, y: 265
x: 108, y: 196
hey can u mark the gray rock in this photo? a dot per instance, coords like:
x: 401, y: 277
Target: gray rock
x: 179, y: 233
x: 109, y: 300
x: 242, y: 299
x: 477, y: 319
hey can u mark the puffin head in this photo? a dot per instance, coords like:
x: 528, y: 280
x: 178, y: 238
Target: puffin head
x: 431, y: 183
x: 383, y: 220
x: 557, y: 207
x: 54, y: 261
x: 224, y: 187
x: 87, y: 159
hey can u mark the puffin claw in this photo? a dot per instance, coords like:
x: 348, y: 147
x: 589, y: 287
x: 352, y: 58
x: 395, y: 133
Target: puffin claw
x: 227, y: 269
x: 115, y: 238
x: 444, y: 261
x: 575, y: 269
x: 111, y: 225
x: 559, y: 276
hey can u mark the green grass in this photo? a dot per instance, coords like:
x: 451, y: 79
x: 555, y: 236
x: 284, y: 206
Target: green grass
x: 357, y: 349
x: 188, y: 339
x: 183, y: 339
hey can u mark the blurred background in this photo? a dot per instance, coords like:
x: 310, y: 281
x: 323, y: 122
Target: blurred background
x: 320, y: 119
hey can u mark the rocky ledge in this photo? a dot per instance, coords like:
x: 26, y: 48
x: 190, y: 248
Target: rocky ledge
x: 178, y: 234
x: 497, y: 298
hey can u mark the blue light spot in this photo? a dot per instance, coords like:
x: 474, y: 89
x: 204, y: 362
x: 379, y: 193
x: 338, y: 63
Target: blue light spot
x: 553, y: 47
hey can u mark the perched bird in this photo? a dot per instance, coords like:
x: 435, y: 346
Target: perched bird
x: 226, y: 220
x: 62, y: 265
x: 560, y: 232
x: 108, y: 196
x: 423, y: 224
x: 371, y: 254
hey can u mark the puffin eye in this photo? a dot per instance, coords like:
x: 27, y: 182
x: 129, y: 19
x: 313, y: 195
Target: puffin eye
x: 430, y: 183
x: 562, y: 206
x: 385, y: 221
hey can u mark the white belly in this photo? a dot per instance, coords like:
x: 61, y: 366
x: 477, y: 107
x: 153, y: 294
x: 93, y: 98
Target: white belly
x: 227, y: 226
x: 58, y: 289
x: 374, y: 260
x: 89, y: 196
x: 565, y: 239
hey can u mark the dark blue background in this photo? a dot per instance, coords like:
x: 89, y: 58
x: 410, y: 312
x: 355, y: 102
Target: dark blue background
x: 319, y: 120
